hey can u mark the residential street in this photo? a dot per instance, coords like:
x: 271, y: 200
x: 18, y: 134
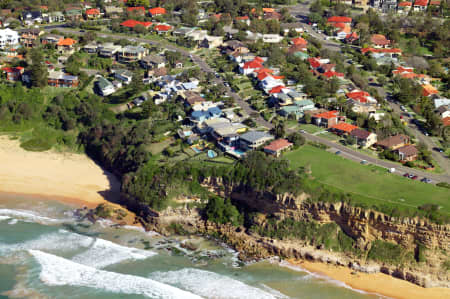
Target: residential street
x: 349, y: 153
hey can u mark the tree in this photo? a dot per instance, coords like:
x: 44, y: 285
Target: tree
x: 307, y: 118
x: 297, y: 139
x: 39, y: 72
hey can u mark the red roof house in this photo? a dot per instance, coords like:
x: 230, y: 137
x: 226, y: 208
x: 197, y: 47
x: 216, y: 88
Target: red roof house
x: 13, y: 73
x: 351, y: 37
x: 163, y: 28
x: 299, y: 41
x: 331, y: 74
x: 133, y: 23
x: 157, y: 11
x: 343, y: 128
x: 337, y: 19
x: 326, y: 119
x: 277, y: 146
x: 92, y: 13
x: 379, y: 40
x: 421, y: 3
x: 428, y: 90
x: 446, y: 121
x: 277, y: 89
x: 405, y: 4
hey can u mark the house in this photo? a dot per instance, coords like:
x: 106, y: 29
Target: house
x: 30, y: 37
x: 383, y: 56
x: 66, y: 46
x: 157, y: 11
x: 351, y: 38
x: 90, y: 48
x: 438, y: 102
x: 249, y: 67
x: 253, y: 139
x: 407, y: 153
x: 379, y: 41
x: 113, y: 11
x: 8, y: 38
x: 420, y: 5
x: 428, y: 90
x: 297, y: 109
x: 138, y: 10
x: 182, y: 31
x: 54, y: 17
x: 211, y: 42
x: 362, y: 4
x: 153, y: 62
x: 443, y: 111
x: 123, y: 75
x: 13, y: 73
x: 109, y: 50
x: 73, y: 14
x: 104, y: 87
x: 325, y: 119
x: 276, y: 147
x: 394, y: 142
x: 60, y: 79
x: 154, y: 74
x: 31, y: 17
x: 133, y: 23
x: 132, y: 53
x: 446, y: 121
x: 162, y: 28
x: 272, y: 38
x: 404, y: 7
x: 192, y: 98
x: 388, y: 5
x: 200, y: 116
x: 339, y: 20
x: 343, y: 128
x: 288, y: 27
x: 93, y: 13
x: 364, y: 138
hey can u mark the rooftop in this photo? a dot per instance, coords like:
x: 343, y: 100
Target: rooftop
x: 278, y: 145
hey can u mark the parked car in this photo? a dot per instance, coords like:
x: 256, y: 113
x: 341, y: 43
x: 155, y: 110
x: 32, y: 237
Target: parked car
x: 414, y: 177
x: 426, y: 180
x: 302, y: 131
x: 439, y: 150
x: 364, y: 162
x: 338, y: 152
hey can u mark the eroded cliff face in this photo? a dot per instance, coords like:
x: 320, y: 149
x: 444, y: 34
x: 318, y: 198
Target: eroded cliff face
x: 362, y: 225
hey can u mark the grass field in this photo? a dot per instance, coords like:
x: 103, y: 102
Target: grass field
x: 371, y: 184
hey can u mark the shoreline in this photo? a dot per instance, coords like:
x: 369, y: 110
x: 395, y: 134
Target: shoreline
x: 69, y: 178
x: 377, y: 284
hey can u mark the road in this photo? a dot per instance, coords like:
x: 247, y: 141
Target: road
x: 440, y: 158
x: 348, y: 153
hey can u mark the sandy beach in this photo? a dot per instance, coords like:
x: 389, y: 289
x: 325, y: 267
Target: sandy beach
x: 378, y: 283
x: 66, y: 177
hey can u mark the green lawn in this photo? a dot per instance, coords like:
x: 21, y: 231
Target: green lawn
x: 370, y: 184
x: 311, y: 128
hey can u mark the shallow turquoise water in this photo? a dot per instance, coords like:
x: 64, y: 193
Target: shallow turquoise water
x: 45, y: 252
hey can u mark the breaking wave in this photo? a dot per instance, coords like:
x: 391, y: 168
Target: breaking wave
x: 58, y: 271
x: 212, y: 285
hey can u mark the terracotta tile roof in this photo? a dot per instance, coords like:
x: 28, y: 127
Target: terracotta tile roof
x: 67, y: 42
x: 263, y: 75
x: 163, y: 28
x: 394, y: 50
x: 446, y: 121
x: 299, y: 41
x: 401, y: 69
x: 136, y: 8
x: 379, y: 40
x: 277, y: 89
x: 278, y: 145
x: 157, y: 11
x: 330, y: 74
x: 337, y: 19
x: 252, y: 65
x: 92, y: 11
x: 327, y: 114
x: 357, y: 94
x: 132, y: 23
x: 258, y: 59
x: 436, y: 2
x: 421, y: 3
x: 428, y: 89
x: 344, y: 127
x: 314, y: 62
x: 405, y: 4
x: 352, y: 36
x: 16, y: 69
x: 267, y: 9
x: 297, y: 48
x: 243, y: 18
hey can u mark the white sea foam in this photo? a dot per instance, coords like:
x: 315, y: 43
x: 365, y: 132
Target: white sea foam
x: 29, y: 216
x: 12, y: 221
x: 103, y: 253
x: 57, y: 271
x: 211, y: 285
x: 99, y: 253
x: 4, y: 218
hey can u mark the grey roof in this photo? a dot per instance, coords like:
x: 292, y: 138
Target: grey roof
x: 103, y: 83
x: 60, y: 75
x: 441, y: 102
x: 133, y: 49
x: 124, y: 72
x: 155, y: 59
x: 253, y: 136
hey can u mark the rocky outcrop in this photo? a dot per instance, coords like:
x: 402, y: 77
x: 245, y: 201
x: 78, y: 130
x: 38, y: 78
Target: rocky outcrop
x: 362, y: 225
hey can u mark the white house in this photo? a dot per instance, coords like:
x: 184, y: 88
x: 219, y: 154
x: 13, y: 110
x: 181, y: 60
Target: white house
x: 8, y: 38
x: 123, y: 75
x: 269, y: 82
x: 272, y: 38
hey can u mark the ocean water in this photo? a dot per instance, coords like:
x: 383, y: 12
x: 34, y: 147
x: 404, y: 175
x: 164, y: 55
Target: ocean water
x: 46, y: 253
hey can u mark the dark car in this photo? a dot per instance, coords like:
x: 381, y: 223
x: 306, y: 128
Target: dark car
x: 414, y: 177
x: 338, y: 152
x: 406, y: 175
x: 426, y: 180
x: 440, y: 150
